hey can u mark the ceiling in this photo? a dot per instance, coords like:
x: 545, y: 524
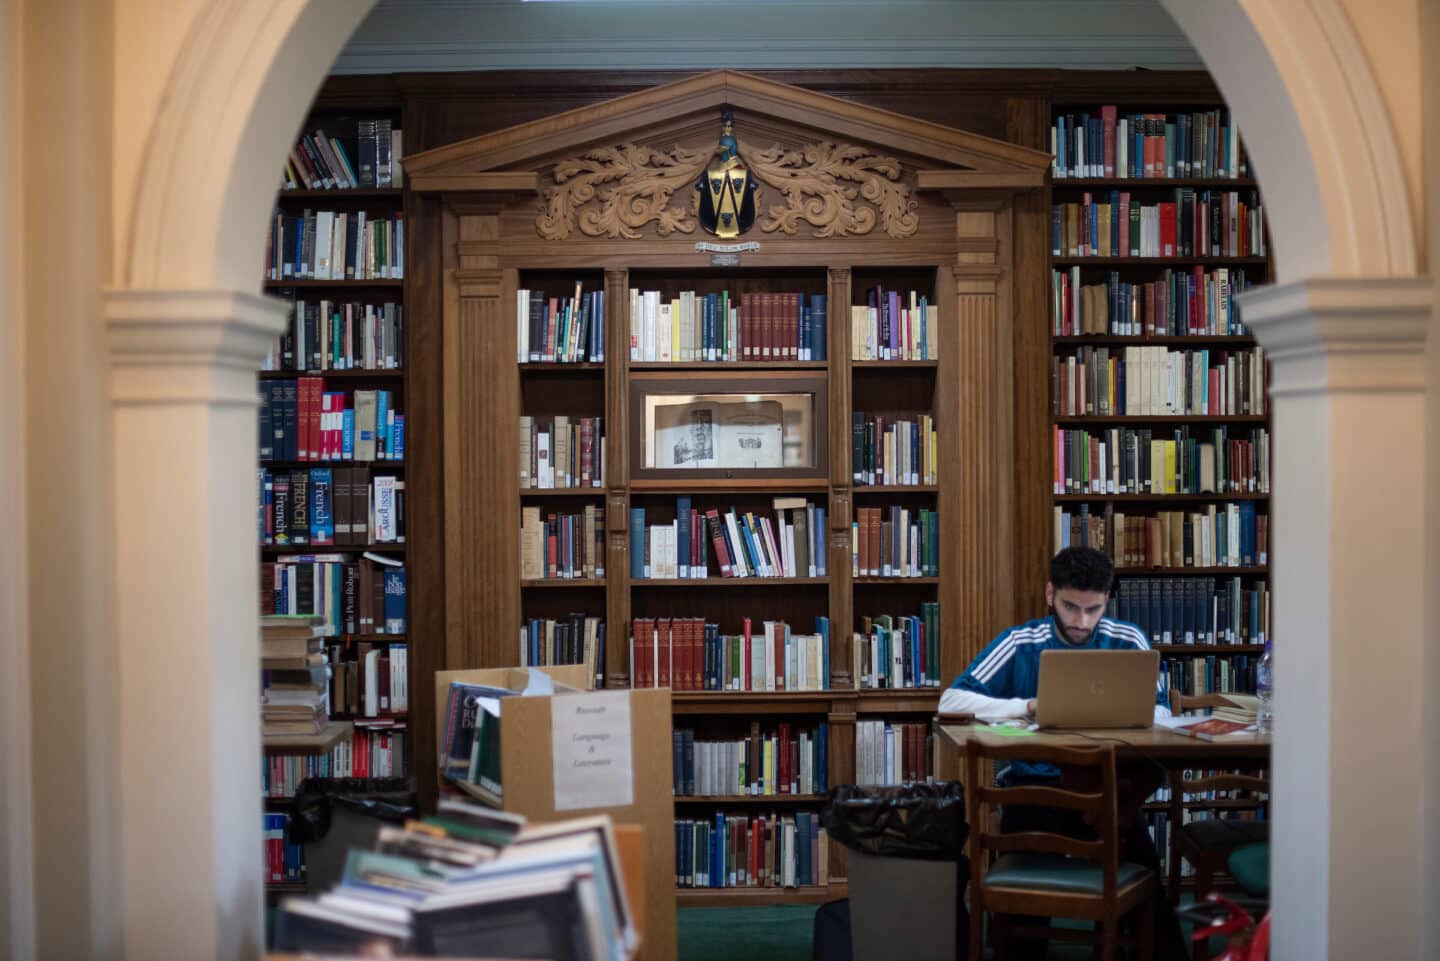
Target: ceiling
x: 428, y: 35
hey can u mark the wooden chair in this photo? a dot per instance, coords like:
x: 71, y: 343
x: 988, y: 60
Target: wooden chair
x: 1051, y: 875
x: 1207, y: 843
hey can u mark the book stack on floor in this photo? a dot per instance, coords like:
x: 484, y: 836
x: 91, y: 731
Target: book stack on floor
x: 294, y: 695
x: 469, y: 882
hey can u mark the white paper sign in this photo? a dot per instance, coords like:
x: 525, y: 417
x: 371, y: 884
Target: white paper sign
x: 590, y: 744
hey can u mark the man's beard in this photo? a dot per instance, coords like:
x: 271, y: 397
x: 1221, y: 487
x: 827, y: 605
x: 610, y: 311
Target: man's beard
x: 1065, y: 633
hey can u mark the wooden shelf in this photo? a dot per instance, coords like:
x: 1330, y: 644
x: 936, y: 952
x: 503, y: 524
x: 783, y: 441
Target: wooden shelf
x: 278, y: 803
x: 548, y: 367
x: 346, y: 193
x: 562, y: 492
x: 753, y: 897
x: 1059, y: 183
x: 1178, y: 340
x: 895, y: 489
x: 750, y: 800
x: 718, y: 365
x: 1202, y: 650
x: 1175, y: 571
x: 322, y: 284
x: 1157, y: 261
x: 380, y: 638
x: 382, y: 374
x: 752, y: 702
x: 767, y: 485
x: 857, y: 581
x: 1153, y: 498
x: 303, y: 464
x: 718, y: 581
x: 334, y: 733
x: 1080, y: 420
x: 859, y: 365
x: 1224, y: 804
x: 900, y: 700
x: 281, y: 888
x: 282, y: 549
x: 565, y: 582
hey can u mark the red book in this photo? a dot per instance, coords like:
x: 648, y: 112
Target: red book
x: 1107, y: 119
x: 778, y: 629
x: 665, y: 639
x: 1167, y: 230
x: 1212, y: 728
x: 782, y: 761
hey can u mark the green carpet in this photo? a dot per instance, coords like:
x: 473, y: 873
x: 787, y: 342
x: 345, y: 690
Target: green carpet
x: 778, y: 933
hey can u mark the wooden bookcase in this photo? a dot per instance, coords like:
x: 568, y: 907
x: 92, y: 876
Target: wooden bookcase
x: 1167, y: 594
x: 483, y: 204
x: 337, y: 117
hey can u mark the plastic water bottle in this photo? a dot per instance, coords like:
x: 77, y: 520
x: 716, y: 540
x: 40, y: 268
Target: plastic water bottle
x: 1265, y: 691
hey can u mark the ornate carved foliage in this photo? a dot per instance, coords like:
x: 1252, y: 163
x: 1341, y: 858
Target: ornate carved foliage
x: 839, y: 189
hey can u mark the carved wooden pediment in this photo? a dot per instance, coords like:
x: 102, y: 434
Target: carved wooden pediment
x: 628, y: 167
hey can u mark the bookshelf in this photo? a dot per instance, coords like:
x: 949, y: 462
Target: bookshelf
x: 526, y: 303
x: 1156, y: 222
x: 332, y: 519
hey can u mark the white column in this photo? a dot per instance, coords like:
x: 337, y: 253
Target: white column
x: 188, y: 734
x: 1348, y: 555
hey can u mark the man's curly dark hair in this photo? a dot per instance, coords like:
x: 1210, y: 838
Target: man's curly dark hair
x: 1082, y: 569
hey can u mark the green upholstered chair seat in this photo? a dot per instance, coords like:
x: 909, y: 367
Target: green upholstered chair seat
x: 1250, y: 867
x: 1226, y: 832
x: 1054, y: 872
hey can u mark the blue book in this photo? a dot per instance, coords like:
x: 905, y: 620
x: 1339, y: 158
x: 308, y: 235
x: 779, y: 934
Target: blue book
x: 398, y: 451
x: 382, y: 434
x: 682, y: 536
x: 818, y: 327
x: 822, y: 627
x: 347, y: 434
x: 322, y: 506
x: 637, y: 543
x: 822, y: 767
x: 395, y: 600
x: 818, y: 548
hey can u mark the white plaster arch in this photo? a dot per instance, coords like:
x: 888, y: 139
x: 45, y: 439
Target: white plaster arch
x: 244, y: 80
x: 1294, y: 73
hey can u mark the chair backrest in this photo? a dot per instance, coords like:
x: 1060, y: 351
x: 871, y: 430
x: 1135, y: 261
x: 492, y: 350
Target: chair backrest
x: 1180, y: 703
x: 1095, y: 765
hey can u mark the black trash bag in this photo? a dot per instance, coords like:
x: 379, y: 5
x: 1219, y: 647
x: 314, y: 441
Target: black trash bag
x: 918, y: 820
x: 383, y: 798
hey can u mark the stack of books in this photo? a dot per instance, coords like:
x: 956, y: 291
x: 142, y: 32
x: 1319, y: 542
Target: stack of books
x: 471, y: 881
x: 295, y: 680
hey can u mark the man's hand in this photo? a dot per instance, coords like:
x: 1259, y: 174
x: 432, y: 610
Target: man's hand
x: 1030, y: 707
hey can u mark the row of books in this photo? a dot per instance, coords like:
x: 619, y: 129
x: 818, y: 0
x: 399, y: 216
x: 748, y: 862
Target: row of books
x: 319, y: 161
x: 895, y: 326
x: 342, y: 506
x: 895, y: 541
x: 369, y: 679
x: 1178, y: 303
x: 1124, y: 460
x: 1204, y: 223
x: 1159, y: 382
x: 885, y: 450
x: 561, y: 452
x: 284, y: 861
x: 751, y: 851
x: 692, y: 326
x: 742, y: 543
x: 560, y: 330
x: 1210, y: 674
x: 689, y: 654
x: 779, y: 761
x: 577, y: 639
x: 900, y: 651
x: 364, y: 595
x: 1103, y: 143
x: 564, y: 546
x: 471, y: 882
x: 302, y: 421
x: 1203, y: 611
x: 893, y: 753
x: 1158, y: 825
x: 335, y: 245
x: 1226, y: 535
x: 377, y: 751
x: 331, y: 335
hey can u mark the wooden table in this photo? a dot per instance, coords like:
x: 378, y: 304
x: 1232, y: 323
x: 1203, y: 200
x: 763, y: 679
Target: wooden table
x: 1160, y: 745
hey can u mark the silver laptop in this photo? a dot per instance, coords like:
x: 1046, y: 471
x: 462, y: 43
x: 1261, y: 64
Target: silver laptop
x: 1096, y: 689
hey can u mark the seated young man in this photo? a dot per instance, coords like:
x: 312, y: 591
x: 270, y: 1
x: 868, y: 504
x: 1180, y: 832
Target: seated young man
x: 1001, y: 683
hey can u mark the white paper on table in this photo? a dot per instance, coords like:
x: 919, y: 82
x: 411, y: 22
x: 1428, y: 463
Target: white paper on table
x: 540, y: 684
x: 591, y: 750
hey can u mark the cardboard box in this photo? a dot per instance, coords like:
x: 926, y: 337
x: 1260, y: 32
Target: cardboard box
x: 527, y: 766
